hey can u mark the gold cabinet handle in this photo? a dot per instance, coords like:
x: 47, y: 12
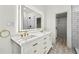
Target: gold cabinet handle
x: 35, y: 51
x: 35, y: 44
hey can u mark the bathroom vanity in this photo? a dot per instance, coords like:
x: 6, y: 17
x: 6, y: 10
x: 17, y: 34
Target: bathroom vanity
x: 38, y: 41
x: 35, y: 43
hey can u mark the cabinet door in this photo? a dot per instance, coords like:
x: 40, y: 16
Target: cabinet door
x: 26, y: 49
x: 5, y: 45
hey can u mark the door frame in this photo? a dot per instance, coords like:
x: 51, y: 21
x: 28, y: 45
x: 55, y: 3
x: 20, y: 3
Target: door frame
x: 56, y: 25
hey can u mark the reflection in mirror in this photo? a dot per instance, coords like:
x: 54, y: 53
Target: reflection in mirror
x: 39, y: 22
x: 30, y: 19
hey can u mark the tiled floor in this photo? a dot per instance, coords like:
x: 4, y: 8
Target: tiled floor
x: 60, y: 48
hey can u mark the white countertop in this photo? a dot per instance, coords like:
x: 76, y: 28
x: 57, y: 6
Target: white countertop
x: 17, y: 39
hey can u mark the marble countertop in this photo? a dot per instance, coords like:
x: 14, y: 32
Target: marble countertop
x: 19, y: 40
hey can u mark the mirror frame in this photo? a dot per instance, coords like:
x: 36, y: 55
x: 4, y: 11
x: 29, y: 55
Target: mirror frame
x: 20, y: 28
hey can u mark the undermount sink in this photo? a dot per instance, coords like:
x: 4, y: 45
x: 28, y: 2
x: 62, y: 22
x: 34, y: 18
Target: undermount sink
x: 30, y: 36
x: 26, y: 38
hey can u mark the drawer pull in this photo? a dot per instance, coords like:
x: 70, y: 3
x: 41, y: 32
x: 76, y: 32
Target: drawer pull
x: 35, y: 51
x: 35, y: 44
x: 45, y: 38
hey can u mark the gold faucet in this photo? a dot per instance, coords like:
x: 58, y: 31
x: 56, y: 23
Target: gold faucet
x: 23, y: 33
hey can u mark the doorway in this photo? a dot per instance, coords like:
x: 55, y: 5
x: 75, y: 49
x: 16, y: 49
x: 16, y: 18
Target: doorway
x: 61, y: 28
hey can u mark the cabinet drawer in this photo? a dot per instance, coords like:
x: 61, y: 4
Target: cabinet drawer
x: 39, y: 46
x: 46, y: 49
x: 46, y: 45
x: 34, y: 47
x: 45, y: 37
x: 46, y: 42
x: 29, y: 49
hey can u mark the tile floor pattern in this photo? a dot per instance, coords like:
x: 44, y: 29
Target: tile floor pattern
x: 60, y: 48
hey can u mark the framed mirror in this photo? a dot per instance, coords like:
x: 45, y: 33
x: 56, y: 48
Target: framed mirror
x: 29, y: 19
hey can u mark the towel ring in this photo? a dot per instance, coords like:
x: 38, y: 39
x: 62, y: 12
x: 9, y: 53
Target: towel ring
x: 4, y: 33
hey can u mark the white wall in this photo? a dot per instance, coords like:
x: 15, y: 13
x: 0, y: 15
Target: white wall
x: 39, y: 7
x: 8, y: 18
x: 50, y: 18
x: 8, y: 22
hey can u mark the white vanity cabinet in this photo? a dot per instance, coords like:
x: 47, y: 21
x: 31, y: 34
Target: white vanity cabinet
x: 40, y: 45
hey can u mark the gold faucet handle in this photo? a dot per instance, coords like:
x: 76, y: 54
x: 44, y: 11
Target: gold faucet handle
x: 23, y: 33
